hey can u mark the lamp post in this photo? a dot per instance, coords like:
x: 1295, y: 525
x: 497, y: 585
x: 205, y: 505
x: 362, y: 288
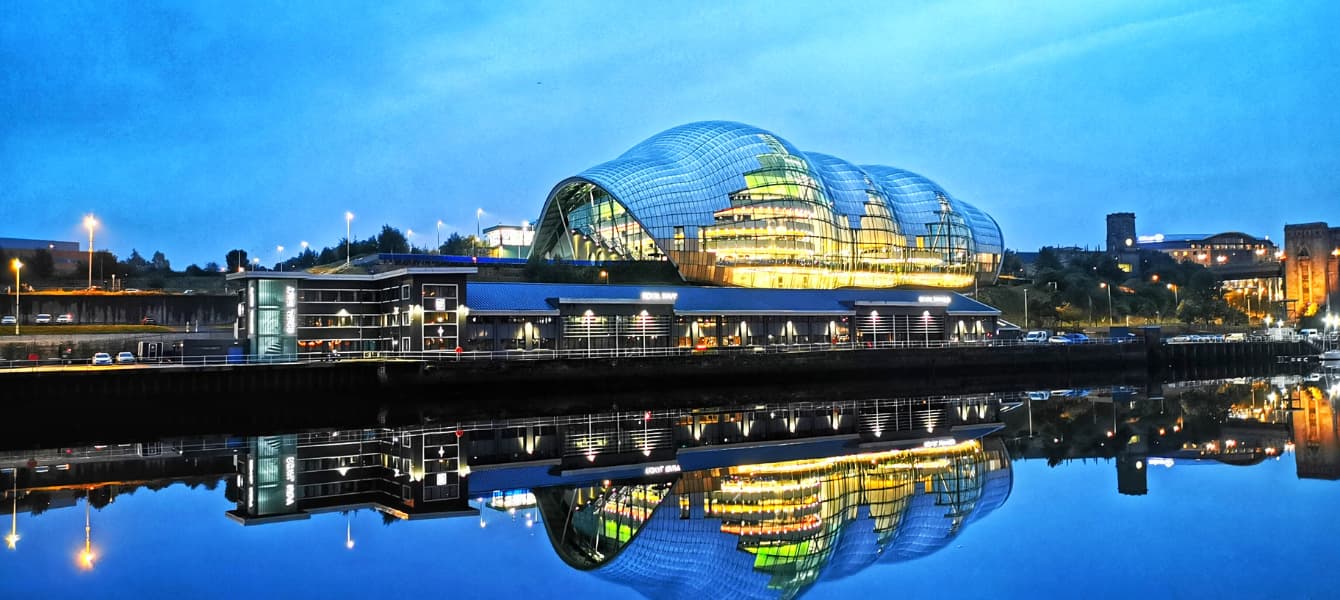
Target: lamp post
x: 1025, y: 308
x: 1173, y: 287
x: 588, y: 317
x: 1107, y: 287
x: 348, y: 243
x: 479, y: 212
x: 525, y: 226
x: 279, y: 250
x: 90, y: 223
x: 438, y: 247
x: 17, y: 290
x: 605, y: 277
x: 409, y: 239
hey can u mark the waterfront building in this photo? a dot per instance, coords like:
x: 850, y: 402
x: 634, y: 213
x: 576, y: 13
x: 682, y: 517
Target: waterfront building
x: 434, y: 309
x: 732, y: 204
x: 410, y: 309
x: 1312, y: 267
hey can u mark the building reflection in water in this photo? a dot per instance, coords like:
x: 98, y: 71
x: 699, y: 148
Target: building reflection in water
x: 1316, y: 432
x: 759, y: 501
x: 772, y: 530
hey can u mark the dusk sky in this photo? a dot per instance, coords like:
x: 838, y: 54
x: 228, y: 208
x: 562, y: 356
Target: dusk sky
x: 194, y: 128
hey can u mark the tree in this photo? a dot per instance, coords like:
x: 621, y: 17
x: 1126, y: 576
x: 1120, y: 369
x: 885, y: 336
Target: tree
x: 211, y: 267
x: 236, y: 259
x: 1010, y: 264
x: 194, y: 270
x: 136, y: 263
x: 159, y: 262
x: 455, y: 245
x: 391, y: 240
x: 41, y: 265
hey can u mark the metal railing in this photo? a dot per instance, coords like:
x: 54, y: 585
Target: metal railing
x: 632, y: 352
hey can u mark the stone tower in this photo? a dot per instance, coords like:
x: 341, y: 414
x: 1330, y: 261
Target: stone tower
x: 1120, y: 232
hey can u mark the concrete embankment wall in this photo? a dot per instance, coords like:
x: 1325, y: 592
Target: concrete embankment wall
x: 90, y: 404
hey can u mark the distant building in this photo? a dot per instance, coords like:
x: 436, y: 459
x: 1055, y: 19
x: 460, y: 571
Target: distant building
x: 65, y: 255
x: 1312, y: 267
x: 1247, y: 265
x: 509, y: 241
x: 1211, y: 250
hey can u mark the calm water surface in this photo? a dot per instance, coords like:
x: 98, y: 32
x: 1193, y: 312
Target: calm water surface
x: 1236, y: 498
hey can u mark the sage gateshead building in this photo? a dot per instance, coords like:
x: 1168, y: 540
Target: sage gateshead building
x: 732, y: 204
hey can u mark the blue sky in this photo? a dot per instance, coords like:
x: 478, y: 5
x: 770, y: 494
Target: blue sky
x: 193, y: 128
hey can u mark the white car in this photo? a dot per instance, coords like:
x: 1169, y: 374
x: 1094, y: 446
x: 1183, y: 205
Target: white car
x: 8, y: 320
x: 42, y: 319
x: 125, y: 358
x: 66, y: 318
x: 102, y: 358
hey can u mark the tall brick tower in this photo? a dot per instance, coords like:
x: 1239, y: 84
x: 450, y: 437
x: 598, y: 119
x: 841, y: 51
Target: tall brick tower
x: 1120, y: 229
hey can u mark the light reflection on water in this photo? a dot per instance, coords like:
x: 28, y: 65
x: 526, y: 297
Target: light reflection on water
x: 1136, y: 487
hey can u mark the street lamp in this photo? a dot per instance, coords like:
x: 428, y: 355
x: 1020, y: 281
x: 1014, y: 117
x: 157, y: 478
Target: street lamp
x: 605, y: 277
x: 525, y: 226
x: 1025, y: 308
x: 1104, y: 285
x: 17, y: 290
x: 348, y: 243
x: 255, y: 263
x: 1173, y: 287
x: 438, y: 247
x: 479, y: 212
x: 90, y: 223
x: 279, y: 250
x: 409, y: 239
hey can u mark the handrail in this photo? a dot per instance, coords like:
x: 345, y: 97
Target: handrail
x: 633, y: 352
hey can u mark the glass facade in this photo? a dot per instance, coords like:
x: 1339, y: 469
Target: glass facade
x: 774, y: 529
x: 732, y: 204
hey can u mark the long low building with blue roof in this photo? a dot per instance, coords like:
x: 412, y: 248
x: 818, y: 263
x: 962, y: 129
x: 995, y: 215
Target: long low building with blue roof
x: 436, y: 309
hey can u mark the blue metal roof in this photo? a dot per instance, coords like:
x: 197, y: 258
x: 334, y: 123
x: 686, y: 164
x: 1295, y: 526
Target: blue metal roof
x: 500, y: 297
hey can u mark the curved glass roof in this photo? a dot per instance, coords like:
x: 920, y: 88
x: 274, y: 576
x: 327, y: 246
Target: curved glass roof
x: 719, y: 194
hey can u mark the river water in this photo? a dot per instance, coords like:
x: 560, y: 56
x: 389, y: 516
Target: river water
x: 1224, y: 488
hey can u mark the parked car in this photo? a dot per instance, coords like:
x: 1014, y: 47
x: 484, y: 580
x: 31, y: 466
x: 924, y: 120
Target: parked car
x: 1058, y: 339
x: 8, y: 320
x: 125, y: 358
x: 102, y: 358
x: 1076, y: 338
x: 65, y: 319
x: 42, y: 319
x: 148, y: 321
x: 1036, y: 337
